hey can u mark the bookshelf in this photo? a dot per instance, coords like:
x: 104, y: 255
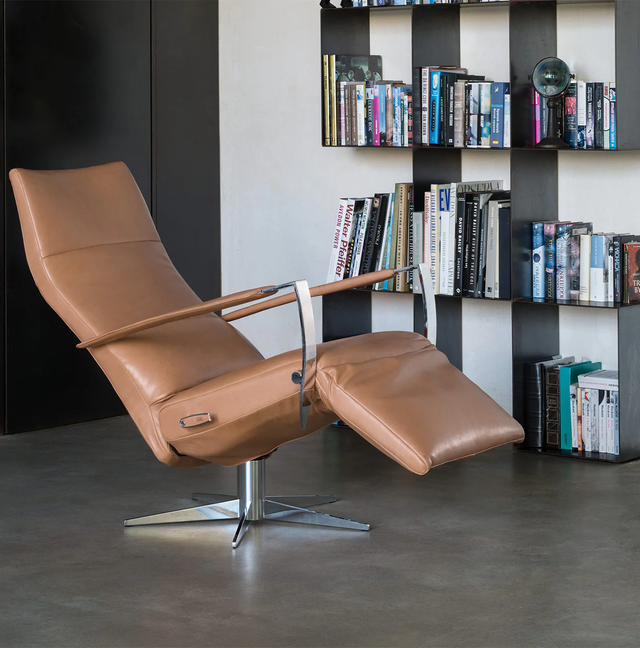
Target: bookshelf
x: 534, y: 186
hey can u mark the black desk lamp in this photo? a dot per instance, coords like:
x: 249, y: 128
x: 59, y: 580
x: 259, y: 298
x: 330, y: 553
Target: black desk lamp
x: 551, y: 78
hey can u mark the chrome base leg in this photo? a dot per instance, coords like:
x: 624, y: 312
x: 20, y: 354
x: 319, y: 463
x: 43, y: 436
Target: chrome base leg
x: 221, y: 511
x: 240, y: 531
x: 284, y: 513
x: 302, y: 501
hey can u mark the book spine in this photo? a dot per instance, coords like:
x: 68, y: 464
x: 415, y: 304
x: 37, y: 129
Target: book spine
x: 599, y: 116
x: 550, y: 260
x: 434, y: 108
x: 610, y: 424
x: 537, y: 124
x: 354, y: 113
x: 602, y: 420
x: 614, y: 117
x: 418, y: 248
x: 474, y: 241
x: 343, y: 114
x: 369, y: 117
x: 590, y: 130
x: 425, y: 87
x: 606, y: 117
x: 450, y: 121
x: 367, y: 255
x: 610, y: 271
x: 460, y: 199
x: 585, y: 267
x: 497, y: 114
x: 586, y: 419
x: 393, y: 257
x: 387, y: 263
x: 361, y: 101
x: 581, y: 113
x: 571, y: 115
x: 363, y: 229
x: 484, y: 126
x: 474, y: 115
x: 410, y: 131
x: 401, y: 240
x: 503, y: 261
x: 466, y: 258
x: 435, y: 240
x: 467, y: 113
x: 376, y: 115
x: 390, y: 114
x: 417, y: 105
x: 616, y: 424
x: 552, y: 393
x: 574, y: 267
x: 580, y: 418
x: 574, y: 415
x: 490, y: 280
x: 444, y: 93
x: 336, y: 264
x: 411, y: 240
x: 444, y: 197
x: 596, y: 279
x: 327, y: 100
x: 482, y: 252
x: 507, y: 120
x: 397, y: 117
x: 562, y: 261
x: 334, y: 102
x: 458, y: 115
x: 405, y: 118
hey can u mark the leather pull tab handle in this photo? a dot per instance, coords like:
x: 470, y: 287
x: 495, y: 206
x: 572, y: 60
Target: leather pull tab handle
x: 195, y: 420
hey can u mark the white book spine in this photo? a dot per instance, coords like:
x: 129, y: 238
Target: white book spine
x: 362, y: 233
x: 507, y: 120
x: 427, y: 229
x: 496, y: 282
x: 491, y: 251
x: 611, y: 449
x: 336, y: 270
x: 443, y: 215
x: 435, y: 242
x: 602, y: 420
x: 418, y: 246
x: 360, y: 110
x: 582, y: 114
x: 343, y: 114
x: 451, y: 252
x: 610, y: 278
x: 585, y: 266
x: 586, y: 419
x: 616, y: 424
x: 562, y: 262
x: 574, y: 415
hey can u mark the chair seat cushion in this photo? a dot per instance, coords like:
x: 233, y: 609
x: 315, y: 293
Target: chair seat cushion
x: 403, y: 396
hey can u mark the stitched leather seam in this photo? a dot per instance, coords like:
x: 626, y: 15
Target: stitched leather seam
x: 97, y: 245
x: 382, y: 357
x: 393, y: 434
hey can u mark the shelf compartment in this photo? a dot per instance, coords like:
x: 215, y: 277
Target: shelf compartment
x: 571, y: 303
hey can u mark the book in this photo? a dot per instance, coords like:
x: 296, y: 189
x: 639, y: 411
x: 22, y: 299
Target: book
x: 585, y: 267
x: 552, y: 407
x: 402, y: 190
x: 571, y: 115
x: 575, y: 230
x: 550, y: 260
x: 327, y: 100
x: 498, y: 92
x: 503, y: 285
x: 606, y: 116
x: 562, y: 261
x: 598, y: 378
x: 507, y: 120
x: 568, y: 377
x: 573, y: 404
x: 443, y: 198
x: 613, y: 125
x: 368, y: 260
x: 599, y: 115
x: 537, y: 261
x: 484, y: 124
x: 590, y: 128
x: 334, y: 100
x: 581, y: 115
x: 492, y: 254
x: 632, y: 273
x: 336, y: 263
x: 597, y: 286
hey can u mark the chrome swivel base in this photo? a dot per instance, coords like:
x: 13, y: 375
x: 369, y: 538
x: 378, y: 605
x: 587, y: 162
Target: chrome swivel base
x: 251, y: 505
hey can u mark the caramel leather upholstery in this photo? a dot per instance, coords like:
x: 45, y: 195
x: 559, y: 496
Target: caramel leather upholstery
x: 98, y: 261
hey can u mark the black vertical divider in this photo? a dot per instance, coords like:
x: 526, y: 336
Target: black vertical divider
x: 629, y: 381
x: 627, y: 76
x: 532, y: 37
x: 535, y: 334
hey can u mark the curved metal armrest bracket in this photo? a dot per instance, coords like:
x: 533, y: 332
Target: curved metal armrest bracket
x: 308, y: 331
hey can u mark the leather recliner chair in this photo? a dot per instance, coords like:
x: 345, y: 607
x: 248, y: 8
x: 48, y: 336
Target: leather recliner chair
x: 198, y: 390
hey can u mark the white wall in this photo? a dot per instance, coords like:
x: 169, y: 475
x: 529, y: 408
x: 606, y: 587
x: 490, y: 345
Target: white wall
x: 280, y: 187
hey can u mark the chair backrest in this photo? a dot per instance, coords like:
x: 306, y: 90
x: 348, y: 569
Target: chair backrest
x: 97, y: 259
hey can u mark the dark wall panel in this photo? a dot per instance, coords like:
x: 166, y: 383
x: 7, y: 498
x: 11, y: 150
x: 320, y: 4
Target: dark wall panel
x: 186, y: 158
x: 78, y: 94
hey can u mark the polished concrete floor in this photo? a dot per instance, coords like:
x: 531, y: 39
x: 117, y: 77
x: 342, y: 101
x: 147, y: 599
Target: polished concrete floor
x: 505, y: 549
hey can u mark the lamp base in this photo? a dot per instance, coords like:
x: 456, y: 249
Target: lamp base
x: 553, y: 143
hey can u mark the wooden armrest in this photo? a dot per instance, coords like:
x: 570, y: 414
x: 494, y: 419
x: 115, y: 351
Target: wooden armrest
x: 316, y: 291
x: 212, y: 306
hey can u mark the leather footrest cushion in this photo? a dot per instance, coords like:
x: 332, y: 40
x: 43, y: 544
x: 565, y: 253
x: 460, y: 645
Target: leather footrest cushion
x: 411, y: 404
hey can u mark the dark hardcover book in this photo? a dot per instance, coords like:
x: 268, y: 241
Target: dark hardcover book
x: 367, y: 253
x: 571, y: 115
x: 378, y: 243
x: 552, y: 407
x: 590, y: 116
x: 417, y: 105
x: 550, y: 260
x: 358, y: 210
x: 353, y: 116
x: 504, y: 245
x: 474, y: 241
x: 449, y: 125
x: 534, y: 415
x: 618, y: 264
x: 409, y: 118
x: 574, y: 231
x: 445, y: 82
x: 599, y: 116
x: 632, y: 273
x: 482, y: 249
x: 467, y: 114
x: 461, y: 221
x: 368, y: 114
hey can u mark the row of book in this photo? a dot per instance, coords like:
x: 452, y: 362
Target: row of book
x: 588, y: 116
x: 571, y: 406
x: 377, y: 233
x: 467, y: 239
x: 453, y: 108
x: 403, y: 3
x: 570, y: 262
x: 362, y: 109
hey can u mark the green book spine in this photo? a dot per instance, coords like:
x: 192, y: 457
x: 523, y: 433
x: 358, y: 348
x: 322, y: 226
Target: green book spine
x: 569, y: 375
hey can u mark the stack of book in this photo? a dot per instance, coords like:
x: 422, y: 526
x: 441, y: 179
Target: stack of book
x: 570, y: 262
x: 468, y: 239
x: 588, y: 116
x: 571, y: 406
x: 362, y: 109
x: 453, y: 108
